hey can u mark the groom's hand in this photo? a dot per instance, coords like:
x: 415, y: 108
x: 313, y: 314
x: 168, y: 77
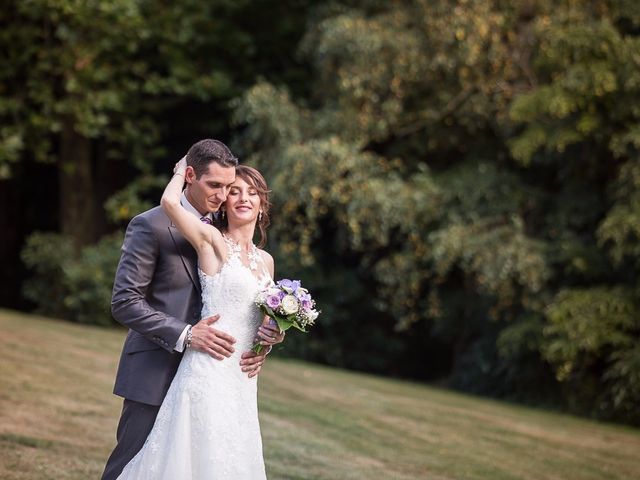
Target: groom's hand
x: 207, y: 339
x: 268, y: 335
x: 252, y: 362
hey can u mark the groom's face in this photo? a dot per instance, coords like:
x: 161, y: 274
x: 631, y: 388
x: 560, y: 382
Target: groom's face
x: 209, y: 191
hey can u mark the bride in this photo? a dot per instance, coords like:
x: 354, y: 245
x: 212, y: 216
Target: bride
x: 207, y: 427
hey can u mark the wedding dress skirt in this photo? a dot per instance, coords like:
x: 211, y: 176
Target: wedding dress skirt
x: 207, y: 426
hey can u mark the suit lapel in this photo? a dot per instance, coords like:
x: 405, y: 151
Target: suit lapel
x: 187, y: 255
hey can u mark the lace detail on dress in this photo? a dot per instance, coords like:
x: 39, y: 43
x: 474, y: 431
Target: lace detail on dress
x: 207, y: 426
x: 255, y: 260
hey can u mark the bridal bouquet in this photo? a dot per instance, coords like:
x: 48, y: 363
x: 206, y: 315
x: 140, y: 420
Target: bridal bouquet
x: 289, y: 305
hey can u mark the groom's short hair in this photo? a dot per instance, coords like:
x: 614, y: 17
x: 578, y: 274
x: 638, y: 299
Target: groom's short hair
x: 202, y: 153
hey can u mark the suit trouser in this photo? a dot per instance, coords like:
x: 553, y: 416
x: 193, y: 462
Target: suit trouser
x: 136, y: 421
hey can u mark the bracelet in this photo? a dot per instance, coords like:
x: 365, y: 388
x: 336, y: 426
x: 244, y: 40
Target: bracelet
x: 187, y: 343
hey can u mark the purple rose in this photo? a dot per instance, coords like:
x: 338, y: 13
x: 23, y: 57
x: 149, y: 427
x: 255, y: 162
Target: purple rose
x: 306, y: 304
x: 273, y: 301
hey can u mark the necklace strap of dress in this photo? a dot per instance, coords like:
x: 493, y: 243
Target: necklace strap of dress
x: 253, y: 255
x: 233, y: 249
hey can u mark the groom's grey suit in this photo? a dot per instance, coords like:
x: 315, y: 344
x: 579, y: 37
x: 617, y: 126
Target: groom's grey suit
x: 156, y: 293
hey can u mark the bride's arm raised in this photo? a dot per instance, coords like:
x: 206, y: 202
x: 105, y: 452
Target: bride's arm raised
x: 200, y: 235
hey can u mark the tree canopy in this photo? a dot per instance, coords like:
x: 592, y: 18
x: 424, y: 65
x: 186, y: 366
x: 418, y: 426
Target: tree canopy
x: 457, y: 181
x: 473, y: 166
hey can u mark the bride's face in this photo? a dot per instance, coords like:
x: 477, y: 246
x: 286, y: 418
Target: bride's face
x: 243, y: 203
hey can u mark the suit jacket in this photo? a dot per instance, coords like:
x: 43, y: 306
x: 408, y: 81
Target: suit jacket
x: 155, y: 294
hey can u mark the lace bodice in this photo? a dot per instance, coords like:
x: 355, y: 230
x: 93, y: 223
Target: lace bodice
x: 231, y: 293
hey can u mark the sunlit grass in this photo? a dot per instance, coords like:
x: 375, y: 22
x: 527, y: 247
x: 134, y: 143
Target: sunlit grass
x: 58, y: 420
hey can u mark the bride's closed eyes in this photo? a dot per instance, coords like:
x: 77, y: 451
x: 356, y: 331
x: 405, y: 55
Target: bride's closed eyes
x: 236, y: 191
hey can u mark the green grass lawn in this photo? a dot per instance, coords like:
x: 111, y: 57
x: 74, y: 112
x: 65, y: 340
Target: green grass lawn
x: 58, y: 420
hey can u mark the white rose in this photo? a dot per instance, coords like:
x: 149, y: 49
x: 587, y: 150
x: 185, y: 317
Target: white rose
x: 289, y: 304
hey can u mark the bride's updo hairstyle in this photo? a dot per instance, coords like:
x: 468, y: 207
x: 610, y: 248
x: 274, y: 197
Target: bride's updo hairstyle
x: 254, y: 178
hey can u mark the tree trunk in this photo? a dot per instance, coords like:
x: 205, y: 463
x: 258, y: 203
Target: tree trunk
x: 76, y: 187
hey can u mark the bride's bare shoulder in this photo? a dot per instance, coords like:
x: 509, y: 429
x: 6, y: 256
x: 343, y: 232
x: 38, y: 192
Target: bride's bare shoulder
x: 266, y: 256
x: 267, y: 259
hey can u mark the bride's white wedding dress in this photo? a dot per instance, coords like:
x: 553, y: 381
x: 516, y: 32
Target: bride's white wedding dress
x: 207, y: 426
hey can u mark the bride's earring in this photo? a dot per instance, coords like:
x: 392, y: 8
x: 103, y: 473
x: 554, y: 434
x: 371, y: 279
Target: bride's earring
x: 260, y: 216
x: 222, y: 215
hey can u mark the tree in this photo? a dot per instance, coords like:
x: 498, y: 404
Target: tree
x: 88, y: 86
x: 456, y: 160
x: 93, y: 96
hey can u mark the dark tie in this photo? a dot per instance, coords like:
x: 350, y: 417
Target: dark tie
x: 206, y: 220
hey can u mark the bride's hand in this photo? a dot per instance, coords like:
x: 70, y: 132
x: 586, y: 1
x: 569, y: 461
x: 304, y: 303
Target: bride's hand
x: 269, y: 333
x: 180, y: 167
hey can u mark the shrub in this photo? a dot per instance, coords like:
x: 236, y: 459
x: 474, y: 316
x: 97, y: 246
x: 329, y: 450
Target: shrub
x: 74, y: 286
x: 592, y: 343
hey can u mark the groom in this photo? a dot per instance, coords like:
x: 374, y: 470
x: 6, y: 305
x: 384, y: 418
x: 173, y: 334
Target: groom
x: 156, y: 294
